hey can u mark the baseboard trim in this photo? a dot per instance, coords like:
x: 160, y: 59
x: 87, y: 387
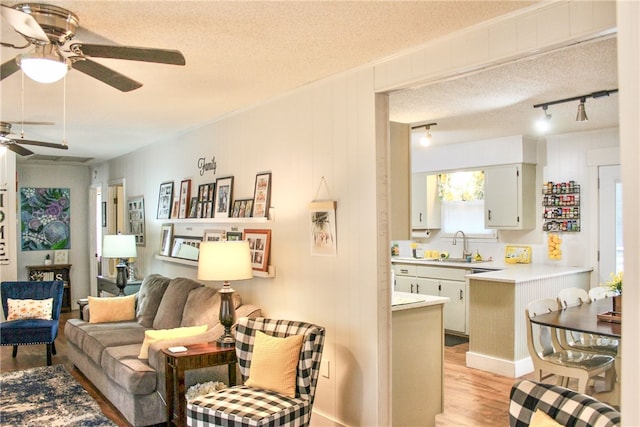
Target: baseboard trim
x: 506, y: 368
x: 320, y: 419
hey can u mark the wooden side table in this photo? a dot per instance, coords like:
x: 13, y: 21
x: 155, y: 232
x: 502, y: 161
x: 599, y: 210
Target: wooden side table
x: 197, y: 356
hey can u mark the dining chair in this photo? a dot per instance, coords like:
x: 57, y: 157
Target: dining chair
x: 600, y: 292
x: 564, y: 363
x: 36, y: 320
x: 572, y: 297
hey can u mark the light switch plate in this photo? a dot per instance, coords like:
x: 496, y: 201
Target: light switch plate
x: 324, y: 368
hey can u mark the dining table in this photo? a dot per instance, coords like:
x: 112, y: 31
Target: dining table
x: 596, y: 318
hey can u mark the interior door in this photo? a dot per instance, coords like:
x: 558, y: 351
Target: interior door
x: 611, y: 248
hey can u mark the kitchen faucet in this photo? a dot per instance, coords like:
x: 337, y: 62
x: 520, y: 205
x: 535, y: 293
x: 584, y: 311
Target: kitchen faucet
x: 465, y: 244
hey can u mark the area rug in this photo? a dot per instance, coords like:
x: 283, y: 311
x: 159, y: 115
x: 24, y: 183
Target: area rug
x: 48, y: 396
x: 453, y: 340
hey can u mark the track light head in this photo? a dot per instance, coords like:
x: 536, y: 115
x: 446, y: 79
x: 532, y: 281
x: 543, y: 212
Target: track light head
x: 582, y: 114
x: 544, y: 123
x: 425, y: 140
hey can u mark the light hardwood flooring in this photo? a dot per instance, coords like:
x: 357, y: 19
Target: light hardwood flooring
x: 472, y: 398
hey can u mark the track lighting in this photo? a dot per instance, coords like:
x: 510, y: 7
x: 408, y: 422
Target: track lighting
x: 582, y: 114
x: 425, y: 140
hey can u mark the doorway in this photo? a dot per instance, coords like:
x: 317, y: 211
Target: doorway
x: 611, y: 245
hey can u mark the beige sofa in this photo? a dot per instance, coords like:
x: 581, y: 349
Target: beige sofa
x: 107, y: 353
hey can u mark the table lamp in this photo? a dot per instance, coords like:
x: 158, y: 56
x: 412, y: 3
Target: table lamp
x: 123, y: 247
x: 225, y: 261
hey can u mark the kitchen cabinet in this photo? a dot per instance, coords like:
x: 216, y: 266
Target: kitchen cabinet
x: 509, y: 197
x: 405, y: 278
x: 425, y: 204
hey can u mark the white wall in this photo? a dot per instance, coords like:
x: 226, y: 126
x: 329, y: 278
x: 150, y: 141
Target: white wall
x: 76, y: 178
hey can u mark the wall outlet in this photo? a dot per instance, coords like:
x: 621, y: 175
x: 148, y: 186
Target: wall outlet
x: 324, y: 368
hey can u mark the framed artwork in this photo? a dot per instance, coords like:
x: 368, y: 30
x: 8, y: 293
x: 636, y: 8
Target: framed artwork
x: 166, y: 239
x: 174, y: 209
x: 135, y: 208
x: 259, y: 245
x: 323, y: 228
x: 233, y: 236
x: 61, y: 256
x: 45, y: 218
x: 185, y: 196
x: 186, y: 247
x: 213, y: 235
x: 165, y: 199
x: 211, y: 190
x: 223, y: 197
x: 193, y: 207
x: 203, y: 192
x: 261, y: 195
x: 207, y: 209
x: 247, y: 210
x: 240, y: 208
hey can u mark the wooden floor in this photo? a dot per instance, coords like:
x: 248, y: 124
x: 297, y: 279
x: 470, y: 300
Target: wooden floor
x: 472, y: 398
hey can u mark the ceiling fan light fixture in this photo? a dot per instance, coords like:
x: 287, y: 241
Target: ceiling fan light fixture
x: 43, y: 65
x: 582, y: 114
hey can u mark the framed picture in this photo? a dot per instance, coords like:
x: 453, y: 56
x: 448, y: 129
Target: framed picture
x: 185, y: 196
x: 207, y: 209
x: 203, y: 192
x: 259, y: 245
x: 193, y: 207
x: 247, y: 209
x: 240, y: 208
x: 174, y: 209
x: 211, y: 190
x: 224, y: 195
x: 135, y: 210
x: 186, y: 247
x: 104, y: 214
x: 213, y: 235
x: 323, y: 228
x: 233, y: 236
x: 261, y: 195
x: 165, y: 199
x: 61, y: 256
x: 166, y: 239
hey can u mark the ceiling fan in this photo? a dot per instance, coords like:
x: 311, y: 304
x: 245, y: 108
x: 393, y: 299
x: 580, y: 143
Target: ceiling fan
x: 50, y: 29
x: 14, y: 143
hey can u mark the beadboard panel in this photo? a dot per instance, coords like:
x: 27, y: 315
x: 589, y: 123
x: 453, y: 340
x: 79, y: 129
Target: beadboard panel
x: 541, y: 28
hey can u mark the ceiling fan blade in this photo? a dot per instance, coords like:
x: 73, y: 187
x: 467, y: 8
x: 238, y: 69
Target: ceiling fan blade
x: 18, y: 149
x: 161, y: 56
x: 24, y: 24
x: 41, y: 143
x: 106, y: 75
x: 8, y: 68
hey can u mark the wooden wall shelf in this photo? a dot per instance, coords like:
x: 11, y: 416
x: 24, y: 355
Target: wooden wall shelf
x: 266, y: 274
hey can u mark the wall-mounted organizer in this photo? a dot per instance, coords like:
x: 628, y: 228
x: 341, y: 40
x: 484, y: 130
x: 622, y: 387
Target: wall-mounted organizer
x: 561, y: 202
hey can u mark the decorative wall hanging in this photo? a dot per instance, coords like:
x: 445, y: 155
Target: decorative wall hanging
x: 185, y: 195
x: 166, y: 239
x: 233, y: 236
x: 261, y: 195
x: 165, y: 199
x: 323, y: 224
x: 45, y: 218
x: 259, y: 246
x: 224, y: 194
x: 213, y: 235
x: 135, y: 207
x: 242, y: 208
x: 186, y: 247
x: 61, y: 256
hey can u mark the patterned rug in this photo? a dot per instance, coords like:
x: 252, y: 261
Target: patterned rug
x: 48, y: 396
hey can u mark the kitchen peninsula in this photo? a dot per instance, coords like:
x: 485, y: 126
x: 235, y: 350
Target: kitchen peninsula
x: 495, y: 300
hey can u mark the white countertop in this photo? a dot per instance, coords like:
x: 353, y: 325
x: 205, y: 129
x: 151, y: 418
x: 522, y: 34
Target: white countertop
x: 406, y: 300
x: 501, y: 271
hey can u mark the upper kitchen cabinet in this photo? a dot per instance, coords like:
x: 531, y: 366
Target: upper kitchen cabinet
x: 425, y: 204
x: 509, y: 197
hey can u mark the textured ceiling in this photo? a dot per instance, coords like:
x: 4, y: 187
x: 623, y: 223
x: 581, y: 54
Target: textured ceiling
x: 238, y: 53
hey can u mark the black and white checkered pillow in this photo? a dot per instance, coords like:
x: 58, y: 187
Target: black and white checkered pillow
x: 567, y: 407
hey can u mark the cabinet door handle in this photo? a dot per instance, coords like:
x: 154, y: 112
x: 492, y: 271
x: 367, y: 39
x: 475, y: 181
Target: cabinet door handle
x: 412, y: 288
x: 489, y: 213
x: 439, y: 287
x: 420, y: 216
x: 460, y: 294
x: 404, y: 270
x: 417, y: 288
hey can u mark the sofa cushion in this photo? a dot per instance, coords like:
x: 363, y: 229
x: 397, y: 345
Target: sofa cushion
x: 122, y: 365
x: 76, y: 330
x: 149, y: 296
x: 29, y: 309
x: 156, y: 335
x: 95, y: 342
x: 203, y: 307
x: 170, y: 310
x: 114, y: 309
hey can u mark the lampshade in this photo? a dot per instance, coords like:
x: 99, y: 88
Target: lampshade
x: 43, y: 65
x: 225, y: 261
x: 119, y: 246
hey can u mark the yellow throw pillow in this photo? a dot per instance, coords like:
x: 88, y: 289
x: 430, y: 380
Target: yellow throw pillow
x: 274, y: 363
x: 29, y: 309
x: 155, y: 335
x: 541, y: 419
x: 116, y: 309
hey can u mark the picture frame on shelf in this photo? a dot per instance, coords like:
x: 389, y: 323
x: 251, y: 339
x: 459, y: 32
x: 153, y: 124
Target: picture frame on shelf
x: 203, y: 192
x: 186, y: 247
x: 135, y: 211
x: 165, y: 200
x: 259, y: 247
x: 233, y: 236
x: 223, y: 197
x: 185, y: 196
x: 240, y: 208
x: 213, y: 235
x: 207, y: 209
x: 193, y: 207
x: 166, y: 239
x: 262, y: 195
x: 174, y: 209
x: 61, y: 256
x: 211, y: 191
x: 248, y: 208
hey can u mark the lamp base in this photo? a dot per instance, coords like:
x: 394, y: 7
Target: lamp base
x: 121, y: 278
x: 226, y: 340
x: 227, y: 316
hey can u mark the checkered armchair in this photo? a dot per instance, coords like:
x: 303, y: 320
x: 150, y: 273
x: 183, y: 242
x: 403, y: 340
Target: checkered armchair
x: 569, y: 408
x: 241, y: 405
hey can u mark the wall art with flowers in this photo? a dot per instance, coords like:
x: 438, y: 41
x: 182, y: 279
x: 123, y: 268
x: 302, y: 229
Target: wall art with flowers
x: 45, y: 218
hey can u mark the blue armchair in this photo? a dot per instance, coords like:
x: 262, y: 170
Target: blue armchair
x: 31, y: 331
